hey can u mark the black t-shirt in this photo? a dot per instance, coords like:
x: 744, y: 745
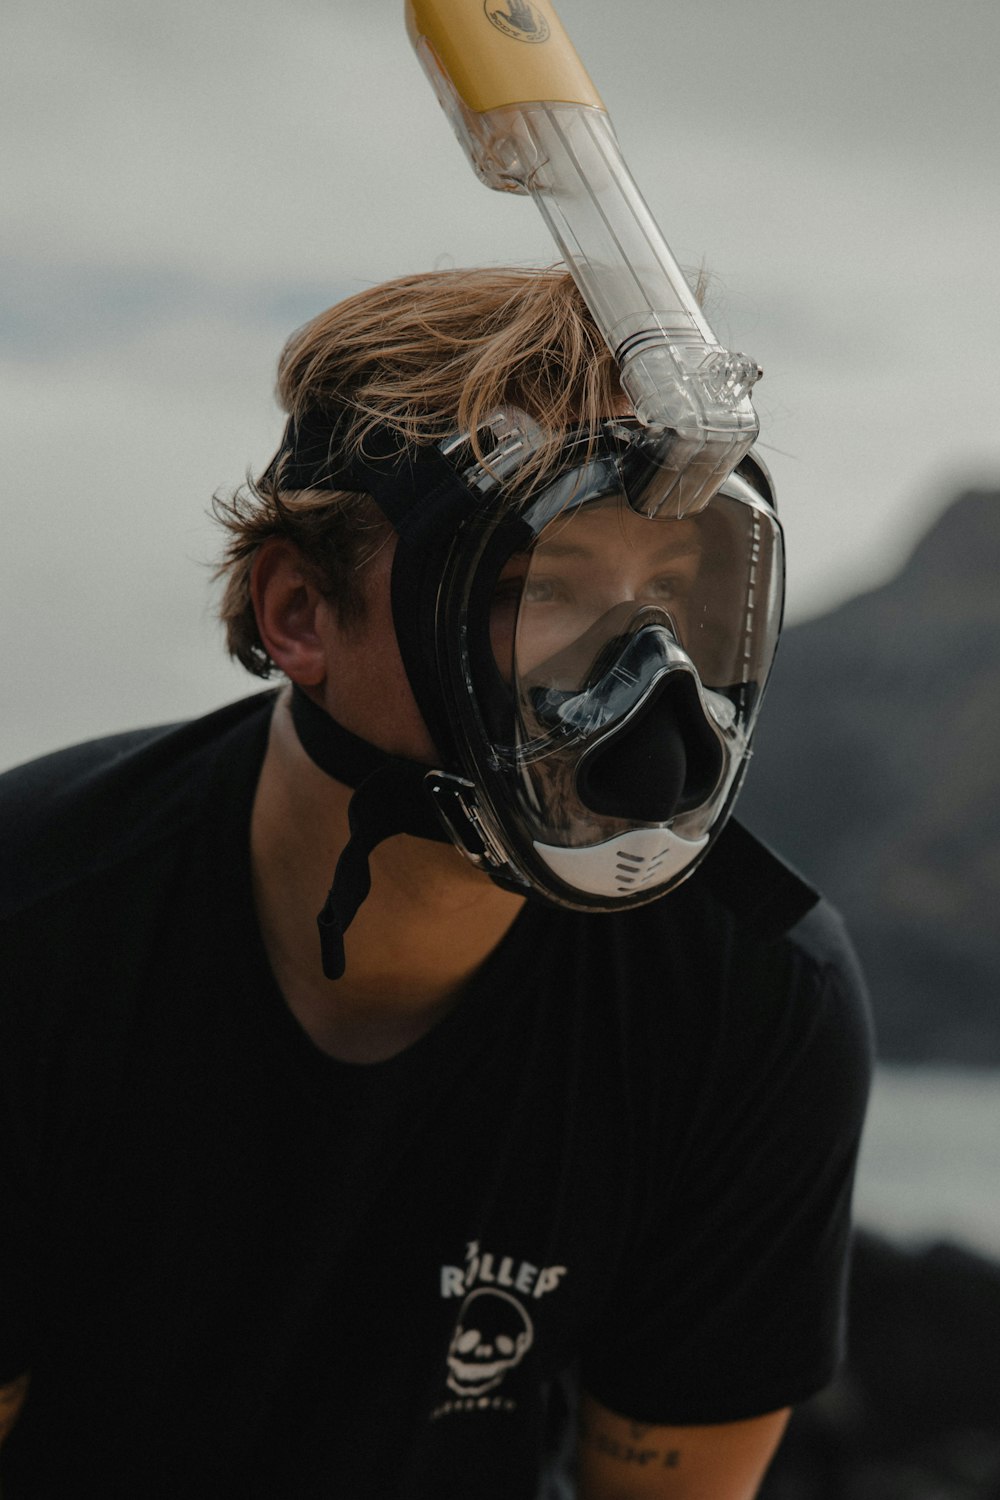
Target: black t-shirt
x: 237, y: 1267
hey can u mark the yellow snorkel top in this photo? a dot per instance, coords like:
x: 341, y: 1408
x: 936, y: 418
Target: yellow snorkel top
x: 531, y: 121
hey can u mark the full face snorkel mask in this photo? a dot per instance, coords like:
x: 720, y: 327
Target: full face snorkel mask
x: 602, y: 664
x: 589, y: 658
x: 590, y: 666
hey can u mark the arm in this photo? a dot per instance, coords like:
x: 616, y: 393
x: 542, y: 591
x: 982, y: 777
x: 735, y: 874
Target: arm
x: 11, y: 1400
x: 730, y: 1298
x: 624, y: 1460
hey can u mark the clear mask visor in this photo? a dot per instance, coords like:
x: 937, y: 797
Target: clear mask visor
x: 616, y: 623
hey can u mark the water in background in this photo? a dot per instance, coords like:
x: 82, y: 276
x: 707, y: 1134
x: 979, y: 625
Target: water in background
x: 930, y: 1164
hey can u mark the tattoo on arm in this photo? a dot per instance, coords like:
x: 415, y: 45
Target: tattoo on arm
x: 634, y: 1452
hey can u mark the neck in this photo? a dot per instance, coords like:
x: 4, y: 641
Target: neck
x: 428, y: 923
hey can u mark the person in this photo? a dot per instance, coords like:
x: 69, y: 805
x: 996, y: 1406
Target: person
x: 531, y: 1172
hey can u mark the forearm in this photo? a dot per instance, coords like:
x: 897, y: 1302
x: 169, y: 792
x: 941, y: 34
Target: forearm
x: 624, y: 1460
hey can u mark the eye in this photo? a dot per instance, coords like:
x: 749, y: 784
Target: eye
x: 470, y: 1338
x: 504, y: 1344
x: 507, y: 593
x: 545, y: 591
x: 517, y: 589
x: 510, y: 584
x: 669, y: 586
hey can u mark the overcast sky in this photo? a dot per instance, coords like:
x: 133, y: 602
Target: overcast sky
x: 183, y: 185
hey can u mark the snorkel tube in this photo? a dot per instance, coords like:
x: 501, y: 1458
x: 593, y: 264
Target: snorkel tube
x: 531, y: 122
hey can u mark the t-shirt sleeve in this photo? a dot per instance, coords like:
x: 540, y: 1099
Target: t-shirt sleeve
x: 730, y: 1299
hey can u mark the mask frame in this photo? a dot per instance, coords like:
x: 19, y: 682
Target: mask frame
x: 475, y: 800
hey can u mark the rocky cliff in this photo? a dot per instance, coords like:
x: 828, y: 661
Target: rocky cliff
x: 877, y: 772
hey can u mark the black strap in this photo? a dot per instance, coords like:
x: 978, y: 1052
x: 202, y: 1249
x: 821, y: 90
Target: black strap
x: 422, y: 497
x: 403, y: 479
x: 391, y: 797
x: 338, y: 752
x: 391, y: 801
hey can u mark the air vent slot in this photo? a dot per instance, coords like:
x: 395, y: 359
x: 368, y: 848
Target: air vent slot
x: 637, y: 869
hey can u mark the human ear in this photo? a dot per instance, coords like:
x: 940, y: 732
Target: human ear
x: 287, y: 605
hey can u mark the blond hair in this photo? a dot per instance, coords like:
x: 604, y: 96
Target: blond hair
x: 425, y: 355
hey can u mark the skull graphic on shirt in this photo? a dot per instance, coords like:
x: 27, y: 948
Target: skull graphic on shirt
x: 492, y: 1335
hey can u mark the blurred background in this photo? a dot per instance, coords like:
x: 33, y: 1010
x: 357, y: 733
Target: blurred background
x: 184, y: 185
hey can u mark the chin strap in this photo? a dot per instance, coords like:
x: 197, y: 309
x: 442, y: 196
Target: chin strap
x: 391, y: 796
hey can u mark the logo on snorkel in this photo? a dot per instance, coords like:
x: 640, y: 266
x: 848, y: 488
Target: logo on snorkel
x: 521, y: 20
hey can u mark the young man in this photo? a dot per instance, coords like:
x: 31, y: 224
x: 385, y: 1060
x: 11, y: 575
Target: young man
x: 509, y: 1171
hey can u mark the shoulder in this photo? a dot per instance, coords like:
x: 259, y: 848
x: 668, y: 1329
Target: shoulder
x: 748, y: 965
x: 72, y: 815
x: 747, y: 912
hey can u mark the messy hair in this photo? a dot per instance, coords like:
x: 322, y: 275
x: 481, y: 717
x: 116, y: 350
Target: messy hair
x: 424, y: 355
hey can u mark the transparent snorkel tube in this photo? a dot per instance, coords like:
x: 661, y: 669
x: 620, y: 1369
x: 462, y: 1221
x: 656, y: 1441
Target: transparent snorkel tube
x: 531, y: 121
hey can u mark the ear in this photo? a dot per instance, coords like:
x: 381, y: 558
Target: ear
x: 287, y: 605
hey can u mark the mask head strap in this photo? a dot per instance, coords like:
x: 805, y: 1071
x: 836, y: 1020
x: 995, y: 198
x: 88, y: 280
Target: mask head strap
x: 391, y: 797
x: 422, y: 498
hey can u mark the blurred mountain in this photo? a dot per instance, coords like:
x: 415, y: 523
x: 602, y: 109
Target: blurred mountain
x: 877, y: 772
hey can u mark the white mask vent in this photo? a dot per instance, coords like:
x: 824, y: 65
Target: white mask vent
x: 625, y: 864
